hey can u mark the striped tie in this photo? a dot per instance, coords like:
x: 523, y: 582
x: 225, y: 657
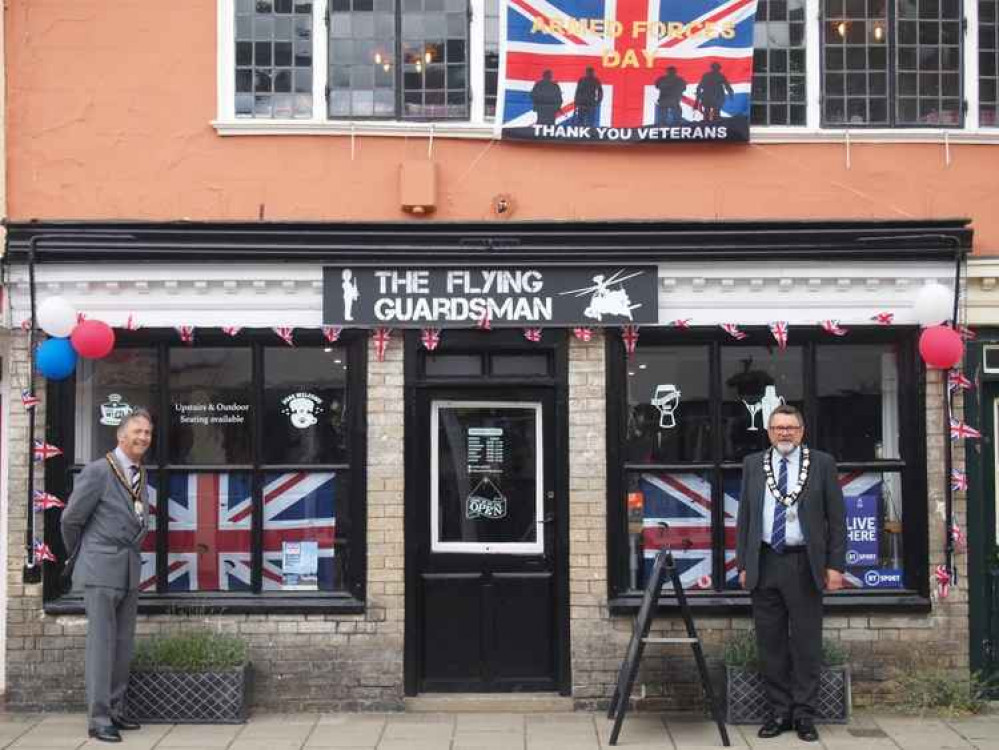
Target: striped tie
x: 135, y: 476
x: 779, y: 530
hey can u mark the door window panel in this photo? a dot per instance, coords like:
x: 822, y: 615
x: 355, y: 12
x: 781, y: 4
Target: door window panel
x: 211, y: 406
x: 486, y: 477
x: 304, y: 405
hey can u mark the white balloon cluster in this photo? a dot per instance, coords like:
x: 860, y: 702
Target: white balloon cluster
x: 933, y: 305
x: 56, y: 317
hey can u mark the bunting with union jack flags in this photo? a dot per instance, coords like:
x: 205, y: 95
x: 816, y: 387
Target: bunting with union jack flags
x: 620, y: 71
x: 210, y: 531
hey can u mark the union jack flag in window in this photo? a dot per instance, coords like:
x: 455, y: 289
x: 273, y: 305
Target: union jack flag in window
x: 683, y: 501
x: 609, y: 71
x: 209, y: 537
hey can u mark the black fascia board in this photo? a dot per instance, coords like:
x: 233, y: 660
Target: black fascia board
x: 441, y: 243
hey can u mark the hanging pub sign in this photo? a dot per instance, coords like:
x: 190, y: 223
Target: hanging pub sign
x: 512, y: 296
x: 630, y: 71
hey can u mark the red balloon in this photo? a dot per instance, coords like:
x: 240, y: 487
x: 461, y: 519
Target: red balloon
x: 92, y: 339
x: 941, y: 347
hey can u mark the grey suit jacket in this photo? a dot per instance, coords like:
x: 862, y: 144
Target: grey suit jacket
x: 101, y: 530
x: 821, y: 513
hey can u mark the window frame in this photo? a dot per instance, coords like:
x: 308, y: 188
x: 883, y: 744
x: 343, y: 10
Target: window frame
x: 351, y: 515
x: 477, y: 127
x: 911, y: 465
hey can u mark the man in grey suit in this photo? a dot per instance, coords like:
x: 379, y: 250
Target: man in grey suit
x: 103, y: 526
x: 791, y: 546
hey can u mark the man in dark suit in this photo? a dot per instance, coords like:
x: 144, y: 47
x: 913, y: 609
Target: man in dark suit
x: 103, y: 526
x: 791, y: 546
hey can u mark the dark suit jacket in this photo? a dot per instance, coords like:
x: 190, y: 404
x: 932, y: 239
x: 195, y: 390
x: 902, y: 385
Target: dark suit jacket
x: 820, y: 510
x: 101, y: 530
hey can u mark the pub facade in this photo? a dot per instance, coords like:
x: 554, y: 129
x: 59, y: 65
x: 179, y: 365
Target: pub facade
x: 431, y: 387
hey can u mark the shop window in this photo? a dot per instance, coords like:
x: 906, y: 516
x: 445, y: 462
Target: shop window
x: 988, y: 63
x: 691, y: 412
x: 891, y: 63
x: 252, y: 477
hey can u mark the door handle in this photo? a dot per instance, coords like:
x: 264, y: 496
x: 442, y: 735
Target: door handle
x: 549, y: 518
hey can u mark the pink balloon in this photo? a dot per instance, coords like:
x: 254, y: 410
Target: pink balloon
x: 941, y: 347
x: 92, y: 339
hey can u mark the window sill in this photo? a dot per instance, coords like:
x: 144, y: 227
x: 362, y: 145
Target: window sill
x: 223, y: 603
x: 484, y: 131
x: 738, y: 602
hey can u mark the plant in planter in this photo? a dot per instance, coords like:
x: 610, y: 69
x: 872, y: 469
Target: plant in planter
x: 197, y: 677
x: 746, y: 699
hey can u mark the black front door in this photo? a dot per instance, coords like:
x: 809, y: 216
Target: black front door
x: 482, y: 545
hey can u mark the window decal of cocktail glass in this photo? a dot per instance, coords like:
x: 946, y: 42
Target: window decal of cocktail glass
x: 666, y: 399
x: 767, y: 404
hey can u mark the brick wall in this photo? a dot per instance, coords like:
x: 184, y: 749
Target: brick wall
x: 300, y: 662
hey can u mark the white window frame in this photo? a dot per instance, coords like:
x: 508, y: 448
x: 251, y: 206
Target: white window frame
x: 537, y: 547
x: 226, y: 122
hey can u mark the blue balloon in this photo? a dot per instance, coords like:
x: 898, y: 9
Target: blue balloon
x: 56, y: 359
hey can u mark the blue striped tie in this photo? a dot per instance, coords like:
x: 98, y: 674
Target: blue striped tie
x: 779, y: 530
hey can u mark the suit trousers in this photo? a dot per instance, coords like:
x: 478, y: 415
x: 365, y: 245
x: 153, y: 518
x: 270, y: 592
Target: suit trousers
x: 111, y: 615
x: 787, y: 613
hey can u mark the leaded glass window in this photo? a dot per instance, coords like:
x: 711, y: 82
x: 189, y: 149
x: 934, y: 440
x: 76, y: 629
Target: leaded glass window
x: 779, y: 63
x: 274, y: 58
x: 988, y: 62
x: 891, y: 64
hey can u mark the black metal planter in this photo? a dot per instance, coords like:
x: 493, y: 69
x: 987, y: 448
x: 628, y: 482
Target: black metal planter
x: 171, y: 697
x: 747, y: 702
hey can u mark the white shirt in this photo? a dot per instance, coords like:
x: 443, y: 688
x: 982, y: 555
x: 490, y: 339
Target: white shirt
x: 793, y: 534
x: 124, y: 462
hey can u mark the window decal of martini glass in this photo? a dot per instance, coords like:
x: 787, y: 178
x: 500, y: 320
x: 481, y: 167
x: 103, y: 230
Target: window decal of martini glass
x: 767, y: 404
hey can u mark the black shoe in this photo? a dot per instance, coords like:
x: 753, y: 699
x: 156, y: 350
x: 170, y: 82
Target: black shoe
x: 105, y: 734
x: 120, y: 722
x: 774, y: 727
x: 806, y: 730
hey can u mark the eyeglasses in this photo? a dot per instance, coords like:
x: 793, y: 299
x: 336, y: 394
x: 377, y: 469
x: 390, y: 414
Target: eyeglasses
x: 785, y: 428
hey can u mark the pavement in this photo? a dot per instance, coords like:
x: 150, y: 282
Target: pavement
x: 497, y: 731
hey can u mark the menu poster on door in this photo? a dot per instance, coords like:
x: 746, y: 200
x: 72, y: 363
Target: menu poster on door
x: 486, y: 450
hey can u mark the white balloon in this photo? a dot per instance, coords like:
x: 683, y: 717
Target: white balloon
x: 56, y: 317
x: 933, y: 305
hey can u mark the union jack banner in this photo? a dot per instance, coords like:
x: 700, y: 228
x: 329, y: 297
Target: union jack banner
x: 26, y: 324
x: 958, y: 538
x: 210, y: 531
x: 186, y: 334
x: 583, y: 334
x: 681, y: 323
x: 833, y: 327
x: 683, y: 501
x: 965, y: 333
x: 45, y: 500
x: 779, y: 330
x: 431, y: 338
x: 29, y: 400
x: 958, y: 380
x: 484, y: 323
x: 733, y: 330
x: 80, y: 317
x: 942, y: 576
x: 43, y: 553
x: 960, y: 430
x: 285, y: 334
x: 131, y: 323
x: 883, y: 318
x: 231, y: 330
x: 44, y: 451
x: 606, y: 71
x: 532, y: 334
x: 958, y: 480
x: 381, y: 338
x: 629, y: 334
x: 332, y: 333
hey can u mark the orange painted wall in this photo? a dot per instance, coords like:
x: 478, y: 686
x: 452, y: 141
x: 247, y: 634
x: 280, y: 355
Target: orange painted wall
x: 110, y: 106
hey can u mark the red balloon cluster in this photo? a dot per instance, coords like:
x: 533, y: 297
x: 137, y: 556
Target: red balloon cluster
x: 92, y: 339
x: 941, y: 347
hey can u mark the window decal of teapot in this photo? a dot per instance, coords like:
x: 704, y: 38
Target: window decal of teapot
x: 767, y: 404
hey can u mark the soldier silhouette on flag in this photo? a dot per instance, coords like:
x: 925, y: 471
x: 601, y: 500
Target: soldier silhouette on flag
x: 589, y: 94
x: 671, y: 88
x: 546, y: 99
x: 712, y: 91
